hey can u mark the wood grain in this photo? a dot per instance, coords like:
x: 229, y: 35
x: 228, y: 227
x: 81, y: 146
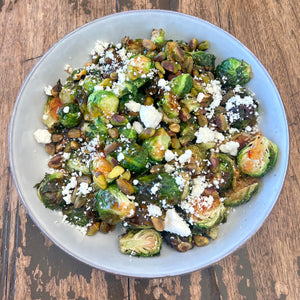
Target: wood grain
x: 266, y: 267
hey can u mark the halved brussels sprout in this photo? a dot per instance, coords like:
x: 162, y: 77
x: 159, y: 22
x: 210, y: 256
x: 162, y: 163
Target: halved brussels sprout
x: 222, y: 170
x: 181, y: 85
x: 113, y: 206
x: 51, y: 109
x: 191, y: 104
x: 133, y: 157
x: 157, y: 145
x: 50, y: 190
x: 242, y: 193
x: 158, y: 36
x: 160, y: 189
x: 102, y: 103
x: 78, y: 161
x: 89, y: 82
x: 204, y: 59
x: 233, y: 72
x: 70, y: 115
x: 68, y: 92
x: 141, y: 63
x: 205, y: 218
x: 257, y: 157
x: 145, y: 242
x: 170, y: 105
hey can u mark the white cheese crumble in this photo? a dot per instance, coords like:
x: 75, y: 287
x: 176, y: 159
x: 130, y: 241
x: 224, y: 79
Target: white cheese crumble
x: 138, y: 127
x: 205, y: 135
x: 185, y: 157
x: 100, y: 47
x: 175, y: 224
x: 164, y: 84
x: 214, y: 88
x: 120, y: 156
x: 67, y: 190
x: 155, y: 188
x: 230, y: 147
x: 169, y: 155
x: 42, y: 136
x: 154, y: 210
x: 84, y: 188
x: 133, y: 106
x: 47, y: 90
x: 150, y: 116
x: 200, y: 97
x: 66, y: 109
x: 169, y: 168
x: 66, y: 155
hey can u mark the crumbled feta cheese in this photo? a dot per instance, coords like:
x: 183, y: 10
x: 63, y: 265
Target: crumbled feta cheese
x: 214, y: 88
x: 100, y: 47
x: 150, y: 116
x: 154, y: 210
x: 169, y: 155
x: 67, y: 190
x: 42, y: 136
x: 199, y: 185
x: 175, y: 224
x: 200, y: 97
x: 155, y: 188
x: 66, y: 109
x: 133, y: 106
x: 169, y: 168
x: 84, y: 188
x: 205, y: 135
x: 68, y: 69
x: 164, y: 84
x: 138, y: 127
x: 135, y: 182
x: 66, y: 155
x: 120, y: 156
x: 47, y: 90
x: 230, y: 147
x: 185, y: 157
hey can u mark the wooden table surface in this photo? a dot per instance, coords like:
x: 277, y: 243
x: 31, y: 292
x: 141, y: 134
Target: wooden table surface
x: 266, y: 267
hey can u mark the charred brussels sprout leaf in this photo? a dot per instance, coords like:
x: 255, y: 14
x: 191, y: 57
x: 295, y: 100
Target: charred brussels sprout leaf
x: 70, y: 115
x: 113, y: 206
x: 50, y: 190
x: 242, y: 193
x: 76, y: 216
x: 157, y: 145
x: 145, y: 242
x: 102, y: 103
x: 233, y: 72
x: 182, y: 84
x: 204, y: 60
x: 165, y: 191
x: 257, y: 157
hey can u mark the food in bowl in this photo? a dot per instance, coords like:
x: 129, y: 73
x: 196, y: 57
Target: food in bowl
x: 151, y: 135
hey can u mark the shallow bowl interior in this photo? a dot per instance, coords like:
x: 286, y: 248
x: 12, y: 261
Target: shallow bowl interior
x: 29, y: 160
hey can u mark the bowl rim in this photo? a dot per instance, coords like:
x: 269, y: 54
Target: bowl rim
x: 231, y: 249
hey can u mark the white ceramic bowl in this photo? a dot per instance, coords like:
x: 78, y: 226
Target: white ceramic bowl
x: 28, y: 159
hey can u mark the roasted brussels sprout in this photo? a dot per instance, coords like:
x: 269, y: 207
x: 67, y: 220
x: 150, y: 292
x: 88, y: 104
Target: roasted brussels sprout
x: 89, y: 82
x: 70, y: 115
x: 141, y: 63
x: 170, y: 105
x: 50, y: 190
x: 257, y: 157
x: 181, y: 85
x: 180, y: 243
x: 206, y: 218
x: 128, y: 133
x: 157, y: 189
x: 233, y: 72
x: 78, y: 161
x: 157, y: 145
x: 68, y: 92
x: 222, y: 170
x: 204, y: 59
x: 158, y: 36
x: 51, y: 109
x: 132, y: 157
x: 190, y: 103
x: 102, y: 103
x: 243, y: 191
x: 145, y: 242
x: 113, y: 206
